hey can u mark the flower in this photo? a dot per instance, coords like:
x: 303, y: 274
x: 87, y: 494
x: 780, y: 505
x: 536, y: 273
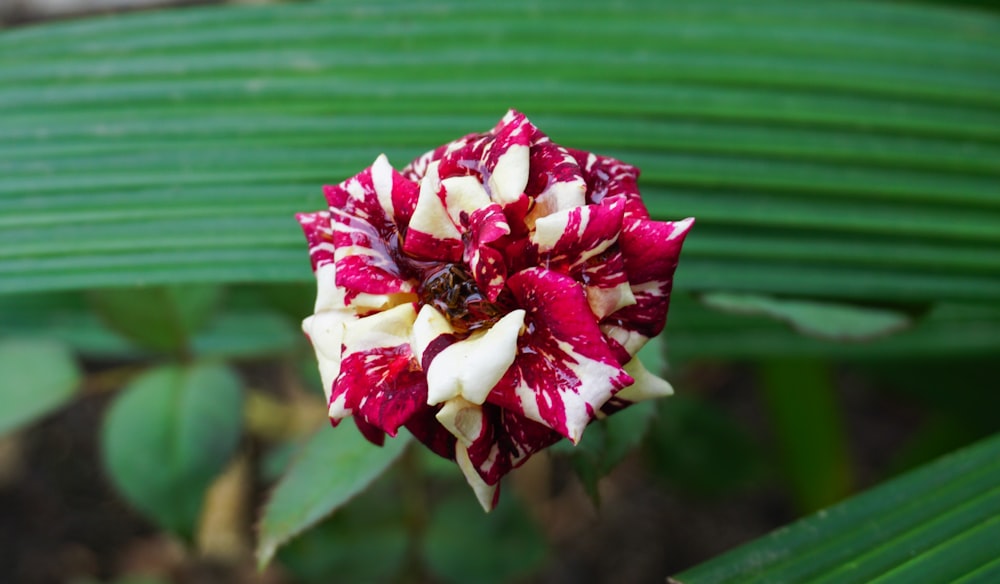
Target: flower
x: 490, y: 297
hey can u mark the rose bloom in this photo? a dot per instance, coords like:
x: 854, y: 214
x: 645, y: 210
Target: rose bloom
x: 490, y: 297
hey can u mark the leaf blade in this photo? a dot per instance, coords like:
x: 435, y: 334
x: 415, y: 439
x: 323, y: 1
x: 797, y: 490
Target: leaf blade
x: 332, y: 467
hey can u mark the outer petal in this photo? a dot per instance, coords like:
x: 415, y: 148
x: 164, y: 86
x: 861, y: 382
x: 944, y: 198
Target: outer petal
x: 651, y: 250
x: 608, y: 177
x: 380, y: 380
x: 319, y: 236
x: 325, y: 328
x: 581, y: 242
x: 367, y: 213
x: 506, y: 159
x: 326, y: 332
x: 646, y: 386
x: 425, y: 427
x: 507, y: 440
x: 564, y: 370
x: 487, y: 495
x: 556, y: 180
x: 496, y: 440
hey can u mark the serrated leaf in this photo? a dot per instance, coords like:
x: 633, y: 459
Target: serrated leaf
x: 332, y: 467
x: 36, y: 377
x: 161, y: 318
x: 166, y: 437
x: 365, y: 541
x: 939, y: 523
x: 825, y: 320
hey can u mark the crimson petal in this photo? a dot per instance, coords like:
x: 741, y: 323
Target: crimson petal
x: 367, y: 214
x: 564, y: 370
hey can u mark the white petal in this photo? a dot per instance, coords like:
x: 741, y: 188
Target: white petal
x: 328, y: 295
x: 631, y: 340
x: 383, y: 329
x: 559, y: 196
x: 464, y: 193
x: 382, y: 181
x: 430, y: 215
x: 326, y: 331
x: 604, y: 301
x: 510, y: 175
x: 430, y: 324
x: 549, y: 229
x: 471, y: 368
x: 462, y: 418
x: 646, y: 386
x: 484, y: 493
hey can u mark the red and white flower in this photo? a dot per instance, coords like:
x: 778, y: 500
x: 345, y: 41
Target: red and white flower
x: 490, y: 297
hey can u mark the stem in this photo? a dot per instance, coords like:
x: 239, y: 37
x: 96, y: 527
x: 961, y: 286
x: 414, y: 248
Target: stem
x: 415, y: 515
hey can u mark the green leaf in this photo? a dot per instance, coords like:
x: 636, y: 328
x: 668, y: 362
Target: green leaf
x: 158, y: 318
x: 365, y: 541
x: 168, y: 434
x: 333, y: 466
x: 462, y: 544
x: 695, y: 332
x: 825, y: 320
x: 939, y: 523
x: 36, y: 377
x: 246, y: 331
x: 844, y: 150
x: 245, y: 335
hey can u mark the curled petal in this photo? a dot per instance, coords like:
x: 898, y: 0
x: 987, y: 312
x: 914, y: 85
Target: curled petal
x: 380, y: 380
x: 506, y: 158
x: 473, y: 366
x: 326, y: 332
x: 646, y: 385
x: 608, y: 177
x: 431, y: 333
x: 463, y: 419
x: 651, y: 250
x: 487, y: 495
x: 366, y: 216
x: 580, y: 242
x: 319, y: 236
x: 564, y: 370
x: 556, y: 181
x: 432, y: 235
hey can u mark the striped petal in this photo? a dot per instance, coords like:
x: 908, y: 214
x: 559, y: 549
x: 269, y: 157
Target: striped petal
x: 582, y: 242
x: 367, y: 214
x: 564, y: 370
x: 651, y: 250
x: 380, y: 380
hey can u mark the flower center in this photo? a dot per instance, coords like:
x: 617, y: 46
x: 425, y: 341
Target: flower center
x: 451, y: 289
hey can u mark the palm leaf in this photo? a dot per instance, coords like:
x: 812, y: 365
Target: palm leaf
x: 847, y: 150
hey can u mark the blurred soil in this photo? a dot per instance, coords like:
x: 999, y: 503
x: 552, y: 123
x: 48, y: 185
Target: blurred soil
x: 61, y: 522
